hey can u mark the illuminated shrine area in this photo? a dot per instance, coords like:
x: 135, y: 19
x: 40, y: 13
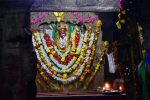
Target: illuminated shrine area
x: 74, y: 49
x: 72, y: 53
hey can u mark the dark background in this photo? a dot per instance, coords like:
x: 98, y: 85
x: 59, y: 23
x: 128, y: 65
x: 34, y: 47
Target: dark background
x: 17, y: 59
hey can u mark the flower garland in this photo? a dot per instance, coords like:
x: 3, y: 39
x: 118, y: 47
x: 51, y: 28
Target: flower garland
x: 45, y: 57
x: 78, y: 73
x: 59, y: 65
x: 69, y: 46
x: 121, y: 73
x: 87, y: 69
x: 40, y: 16
x: 78, y: 50
x: 55, y: 61
x: 82, y: 19
x: 121, y: 15
x: 46, y: 79
x: 98, y: 66
x: 79, y: 64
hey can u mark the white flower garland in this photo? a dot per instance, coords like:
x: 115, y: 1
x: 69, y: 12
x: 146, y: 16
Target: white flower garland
x: 55, y: 61
x: 55, y: 47
x: 40, y: 40
x: 65, y: 68
x: 54, y: 76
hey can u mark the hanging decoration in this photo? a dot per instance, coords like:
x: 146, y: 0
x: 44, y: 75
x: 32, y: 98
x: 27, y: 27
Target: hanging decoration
x: 111, y: 63
x: 121, y: 15
x: 99, y: 64
x: 40, y: 16
x: 59, y: 15
x: 82, y: 19
x: 115, y: 54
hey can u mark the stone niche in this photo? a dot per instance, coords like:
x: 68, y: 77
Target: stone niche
x: 75, y: 86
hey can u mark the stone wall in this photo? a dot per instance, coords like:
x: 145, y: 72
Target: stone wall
x: 17, y: 59
x: 76, y: 5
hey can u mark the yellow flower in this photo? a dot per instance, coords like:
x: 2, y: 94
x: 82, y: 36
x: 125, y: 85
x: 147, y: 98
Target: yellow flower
x: 82, y: 50
x: 51, y: 55
x: 123, y: 12
x: 118, y: 25
x: 42, y: 73
x: 81, y: 78
x: 101, y: 59
x: 53, y: 52
x: 57, y: 88
x: 59, y: 15
x: 47, y: 50
x: 99, y: 23
x: 82, y: 53
x: 98, y: 64
x: 88, y: 66
x: 77, y: 62
x: 62, y: 70
x: 74, y: 58
x: 35, y: 34
x: 50, y: 47
x: 77, y: 52
x: 122, y: 21
x: 119, y: 16
x: 73, y: 67
x: 82, y: 59
x: 106, y: 43
x: 89, y: 30
x: 58, y: 75
x: 79, y: 59
x: 63, y: 59
x: 65, y: 75
x: 73, y: 48
x: 58, y: 19
x: 96, y: 38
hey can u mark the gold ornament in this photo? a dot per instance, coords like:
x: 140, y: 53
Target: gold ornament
x: 106, y: 43
x: 98, y: 26
x: 59, y: 15
x: 99, y: 23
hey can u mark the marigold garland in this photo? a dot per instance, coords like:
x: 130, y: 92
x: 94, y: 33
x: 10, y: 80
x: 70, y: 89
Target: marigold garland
x: 71, y: 64
x: 121, y: 15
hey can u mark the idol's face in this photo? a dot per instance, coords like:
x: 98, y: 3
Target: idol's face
x: 62, y: 33
x: 62, y: 38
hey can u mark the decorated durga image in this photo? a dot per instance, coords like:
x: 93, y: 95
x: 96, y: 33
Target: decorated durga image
x: 65, y: 50
x: 67, y: 34
x: 63, y: 37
